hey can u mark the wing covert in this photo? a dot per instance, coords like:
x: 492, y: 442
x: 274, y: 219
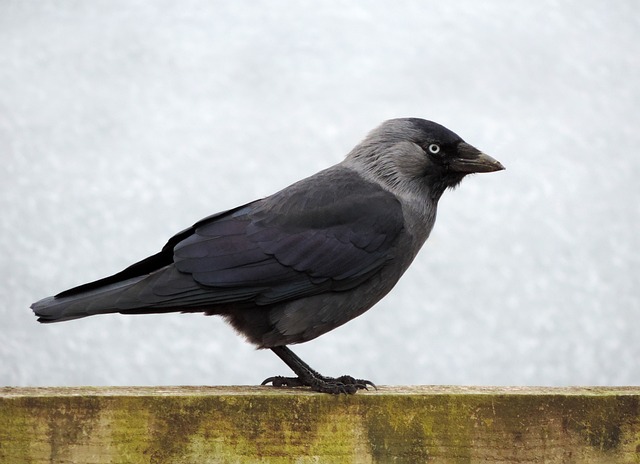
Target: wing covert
x: 319, y: 234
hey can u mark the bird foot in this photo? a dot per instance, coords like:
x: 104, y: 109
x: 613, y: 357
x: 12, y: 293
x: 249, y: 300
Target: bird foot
x: 344, y: 384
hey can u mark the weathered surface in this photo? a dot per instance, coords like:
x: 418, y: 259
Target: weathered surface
x: 262, y: 424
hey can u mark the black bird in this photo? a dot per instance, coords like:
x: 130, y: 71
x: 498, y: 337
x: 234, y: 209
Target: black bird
x: 303, y: 261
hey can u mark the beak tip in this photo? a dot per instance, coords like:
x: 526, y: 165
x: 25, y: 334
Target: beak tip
x: 491, y: 164
x: 472, y: 160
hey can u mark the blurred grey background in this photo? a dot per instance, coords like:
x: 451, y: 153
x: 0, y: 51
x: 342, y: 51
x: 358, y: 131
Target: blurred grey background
x: 123, y: 122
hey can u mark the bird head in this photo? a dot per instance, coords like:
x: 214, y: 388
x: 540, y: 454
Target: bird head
x: 418, y: 156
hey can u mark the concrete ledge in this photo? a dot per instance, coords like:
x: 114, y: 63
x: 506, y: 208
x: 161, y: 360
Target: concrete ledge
x: 263, y: 424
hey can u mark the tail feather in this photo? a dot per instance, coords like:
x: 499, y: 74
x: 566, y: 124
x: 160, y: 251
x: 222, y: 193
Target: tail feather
x: 103, y: 300
x: 166, y: 290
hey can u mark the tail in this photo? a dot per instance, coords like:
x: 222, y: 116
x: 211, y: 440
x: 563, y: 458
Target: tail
x: 152, y: 285
x: 102, y: 300
x: 166, y: 290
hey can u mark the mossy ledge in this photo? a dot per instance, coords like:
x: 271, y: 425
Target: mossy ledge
x: 267, y: 425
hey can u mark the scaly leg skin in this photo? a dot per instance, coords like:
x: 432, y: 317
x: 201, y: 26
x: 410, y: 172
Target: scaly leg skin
x: 307, y: 377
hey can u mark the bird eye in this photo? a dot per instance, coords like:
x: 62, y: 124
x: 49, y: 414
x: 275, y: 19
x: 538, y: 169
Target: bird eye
x: 434, y: 148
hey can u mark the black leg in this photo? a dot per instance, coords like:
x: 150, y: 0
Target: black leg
x: 307, y: 377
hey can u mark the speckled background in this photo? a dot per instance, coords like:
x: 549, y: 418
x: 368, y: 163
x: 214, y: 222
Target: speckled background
x: 121, y: 123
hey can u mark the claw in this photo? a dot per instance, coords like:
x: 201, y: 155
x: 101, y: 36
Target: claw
x: 342, y: 385
x: 368, y: 383
x: 280, y: 381
x: 358, y: 383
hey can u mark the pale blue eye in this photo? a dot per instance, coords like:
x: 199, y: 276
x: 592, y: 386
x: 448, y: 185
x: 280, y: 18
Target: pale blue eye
x: 434, y: 148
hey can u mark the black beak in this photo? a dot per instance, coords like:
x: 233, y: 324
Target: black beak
x: 470, y: 160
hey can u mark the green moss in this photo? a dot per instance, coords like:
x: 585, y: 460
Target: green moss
x: 602, y: 423
x: 284, y: 426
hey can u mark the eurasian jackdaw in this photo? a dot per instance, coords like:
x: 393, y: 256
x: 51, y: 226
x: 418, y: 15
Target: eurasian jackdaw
x: 305, y: 260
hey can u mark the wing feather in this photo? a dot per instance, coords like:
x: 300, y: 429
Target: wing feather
x: 327, y: 232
